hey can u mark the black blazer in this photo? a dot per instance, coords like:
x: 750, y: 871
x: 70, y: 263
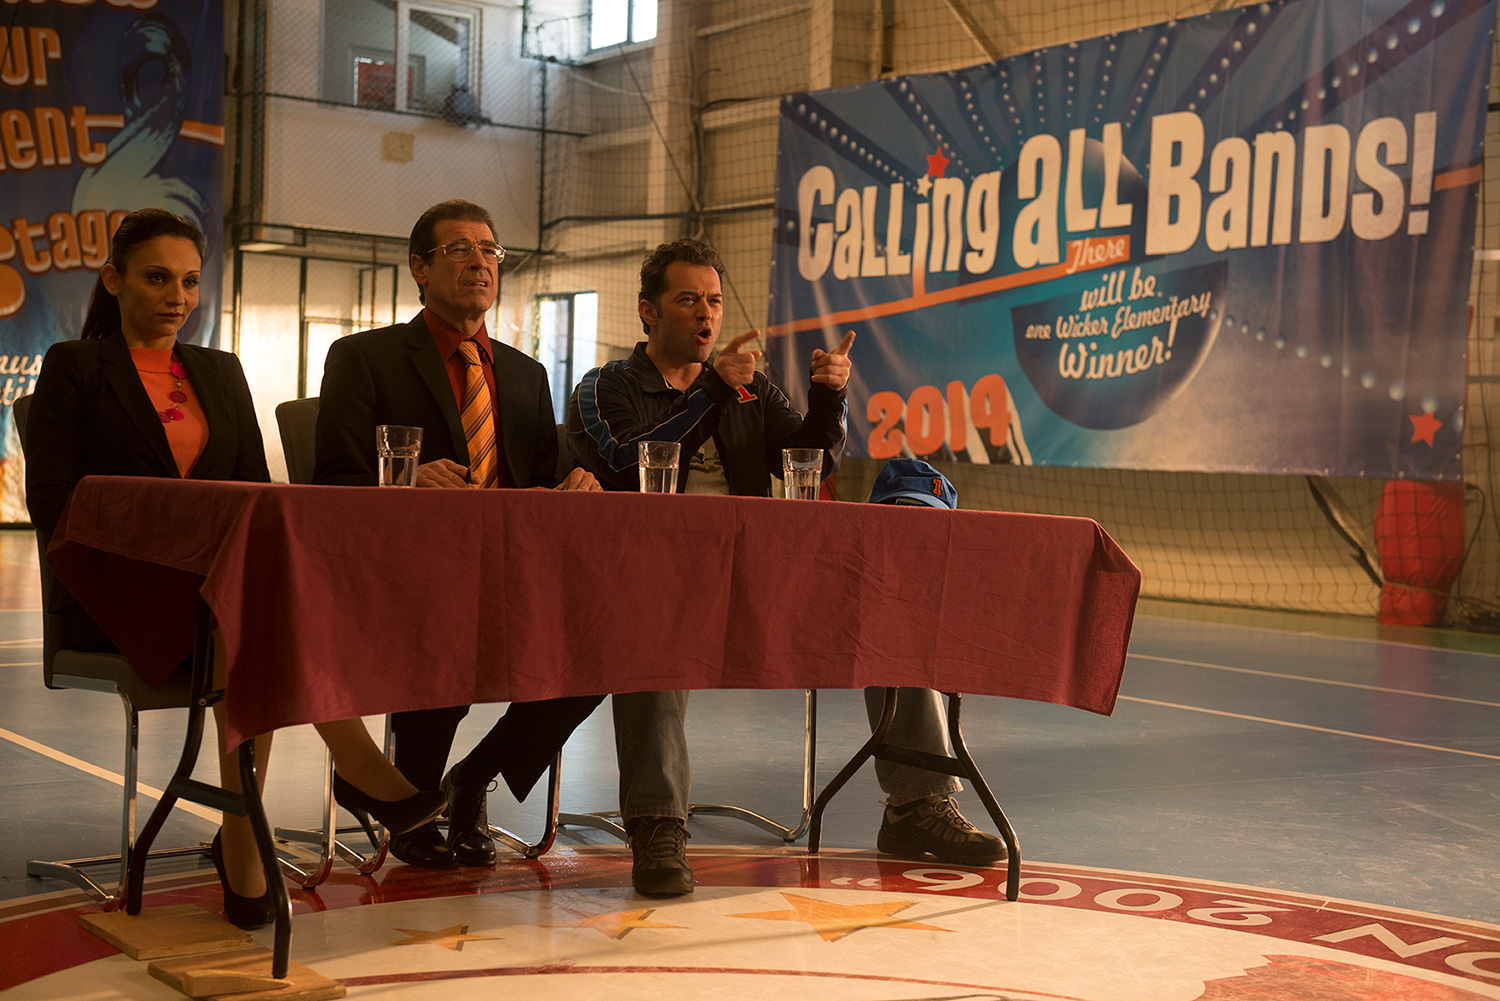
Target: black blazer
x: 395, y: 375
x: 91, y: 415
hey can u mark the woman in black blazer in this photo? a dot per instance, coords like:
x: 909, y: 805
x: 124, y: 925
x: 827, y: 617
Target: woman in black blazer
x: 127, y: 399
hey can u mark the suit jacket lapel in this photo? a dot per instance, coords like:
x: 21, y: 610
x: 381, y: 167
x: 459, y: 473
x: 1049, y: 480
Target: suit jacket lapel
x: 125, y: 382
x: 514, y: 423
x: 434, y: 373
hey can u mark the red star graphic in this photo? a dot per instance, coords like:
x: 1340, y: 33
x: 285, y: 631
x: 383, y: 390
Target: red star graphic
x: 936, y: 164
x: 1424, y: 426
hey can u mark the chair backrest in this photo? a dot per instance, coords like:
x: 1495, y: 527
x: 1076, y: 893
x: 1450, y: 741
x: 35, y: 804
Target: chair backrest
x: 298, y: 422
x: 21, y: 408
x: 564, y: 457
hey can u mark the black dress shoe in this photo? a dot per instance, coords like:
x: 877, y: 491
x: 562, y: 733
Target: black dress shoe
x: 424, y: 846
x: 469, y: 822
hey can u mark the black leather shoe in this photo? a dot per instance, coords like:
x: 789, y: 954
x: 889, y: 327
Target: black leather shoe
x: 469, y: 822
x: 423, y: 846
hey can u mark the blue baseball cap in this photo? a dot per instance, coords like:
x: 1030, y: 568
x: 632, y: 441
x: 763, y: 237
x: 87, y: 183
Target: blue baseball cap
x: 912, y: 480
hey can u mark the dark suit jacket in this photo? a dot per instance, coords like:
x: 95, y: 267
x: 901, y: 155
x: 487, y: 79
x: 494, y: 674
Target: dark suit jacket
x: 90, y: 415
x: 395, y: 375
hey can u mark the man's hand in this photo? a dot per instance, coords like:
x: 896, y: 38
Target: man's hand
x: 579, y: 479
x: 831, y: 368
x: 443, y: 473
x: 736, y: 367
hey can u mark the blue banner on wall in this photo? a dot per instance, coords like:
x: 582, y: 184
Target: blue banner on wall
x: 1237, y: 242
x: 106, y: 106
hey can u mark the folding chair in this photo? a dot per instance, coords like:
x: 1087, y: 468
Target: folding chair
x: 297, y: 421
x: 609, y: 820
x: 110, y: 673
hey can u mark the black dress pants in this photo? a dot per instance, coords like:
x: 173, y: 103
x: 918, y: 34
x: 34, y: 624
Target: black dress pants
x: 520, y: 745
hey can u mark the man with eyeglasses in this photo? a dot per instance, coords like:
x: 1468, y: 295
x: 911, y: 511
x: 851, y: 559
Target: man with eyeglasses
x: 485, y: 411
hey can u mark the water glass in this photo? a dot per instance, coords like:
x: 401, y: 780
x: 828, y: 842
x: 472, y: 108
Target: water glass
x: 801, y: 472
x: 397, y: 447
x: 658, y: 465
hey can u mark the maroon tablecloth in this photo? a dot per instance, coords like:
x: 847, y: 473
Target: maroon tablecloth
x: 348, y: 601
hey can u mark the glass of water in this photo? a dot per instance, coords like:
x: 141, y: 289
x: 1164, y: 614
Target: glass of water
x: 801, y: 472
x: 658, y: 465
x: 397, y: 447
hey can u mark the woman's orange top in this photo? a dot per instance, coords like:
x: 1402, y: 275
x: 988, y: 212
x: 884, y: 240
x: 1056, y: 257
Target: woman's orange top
x: 188, y: 436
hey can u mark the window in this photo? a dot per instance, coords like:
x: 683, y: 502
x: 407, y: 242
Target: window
x: 567, y: 329
x: 617, y: 22
x: 435, y: 43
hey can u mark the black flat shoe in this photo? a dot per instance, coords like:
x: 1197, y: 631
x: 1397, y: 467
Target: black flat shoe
x: 468, y: 822
x: 397, y: 816
x: 424, y: 846
x: 245, y: 913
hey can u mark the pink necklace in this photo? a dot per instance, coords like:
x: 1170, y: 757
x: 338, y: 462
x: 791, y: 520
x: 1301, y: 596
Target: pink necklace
x: 174, y: 412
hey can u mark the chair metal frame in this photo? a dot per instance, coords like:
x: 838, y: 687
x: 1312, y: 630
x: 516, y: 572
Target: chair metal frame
x: 100, y: 672
x: 610, y: 820
x: 296, y: 420
x: 113, y: 674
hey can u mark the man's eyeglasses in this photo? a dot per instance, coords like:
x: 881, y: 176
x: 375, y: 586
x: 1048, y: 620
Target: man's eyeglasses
x: 462, y: 250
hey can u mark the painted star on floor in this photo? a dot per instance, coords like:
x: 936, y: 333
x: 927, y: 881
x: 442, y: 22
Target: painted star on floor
x: 615, y: 925
x: 834, y: 921
x: 452, y: 937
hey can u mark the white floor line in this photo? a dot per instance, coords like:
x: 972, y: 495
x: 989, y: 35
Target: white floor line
x: 1317, y: 681
x: 150, y: 792
x: 1318, y: 729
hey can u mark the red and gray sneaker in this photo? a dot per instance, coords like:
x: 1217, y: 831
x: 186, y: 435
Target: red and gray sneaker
x: 933, y: 828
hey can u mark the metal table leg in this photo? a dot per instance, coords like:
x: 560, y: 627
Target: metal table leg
x: 991, y: 805
x: 281, y: 903
x: 961, y: 764
x: 242, y: 804
x: 865, y: 753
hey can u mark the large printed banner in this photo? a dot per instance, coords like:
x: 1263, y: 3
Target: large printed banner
x: 1237, y: 242
x: 105, y: 106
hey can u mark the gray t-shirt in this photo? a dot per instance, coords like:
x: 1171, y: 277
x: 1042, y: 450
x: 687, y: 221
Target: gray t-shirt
x: 706, y: 472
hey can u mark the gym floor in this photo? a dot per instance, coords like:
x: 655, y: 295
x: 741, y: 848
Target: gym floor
x: 1281, y: 805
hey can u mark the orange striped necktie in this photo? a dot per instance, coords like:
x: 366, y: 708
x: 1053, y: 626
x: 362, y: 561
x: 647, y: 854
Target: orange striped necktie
x: 478, y: 417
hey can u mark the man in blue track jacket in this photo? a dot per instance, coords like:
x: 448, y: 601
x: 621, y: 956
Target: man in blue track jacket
x: 732, y: 423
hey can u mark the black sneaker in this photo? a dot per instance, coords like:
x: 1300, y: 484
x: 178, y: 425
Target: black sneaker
x: 659, y: 849
x: 935, y: 828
